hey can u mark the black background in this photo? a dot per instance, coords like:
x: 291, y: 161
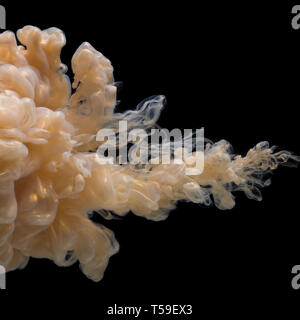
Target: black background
x: 230, y: 68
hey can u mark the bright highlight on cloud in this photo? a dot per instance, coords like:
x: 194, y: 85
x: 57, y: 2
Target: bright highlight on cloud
x: 49, y: 178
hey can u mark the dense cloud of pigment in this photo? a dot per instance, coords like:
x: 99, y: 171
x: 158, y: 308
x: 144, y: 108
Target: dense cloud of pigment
x: 49, y: 179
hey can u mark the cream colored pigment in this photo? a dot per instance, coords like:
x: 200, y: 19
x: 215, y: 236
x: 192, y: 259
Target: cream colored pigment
x: 48, y: 179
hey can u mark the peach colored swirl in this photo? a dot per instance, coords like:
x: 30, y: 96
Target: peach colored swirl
x: 49, y: 178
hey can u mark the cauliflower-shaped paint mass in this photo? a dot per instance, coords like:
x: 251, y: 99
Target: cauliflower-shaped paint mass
x: 50, y: 179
